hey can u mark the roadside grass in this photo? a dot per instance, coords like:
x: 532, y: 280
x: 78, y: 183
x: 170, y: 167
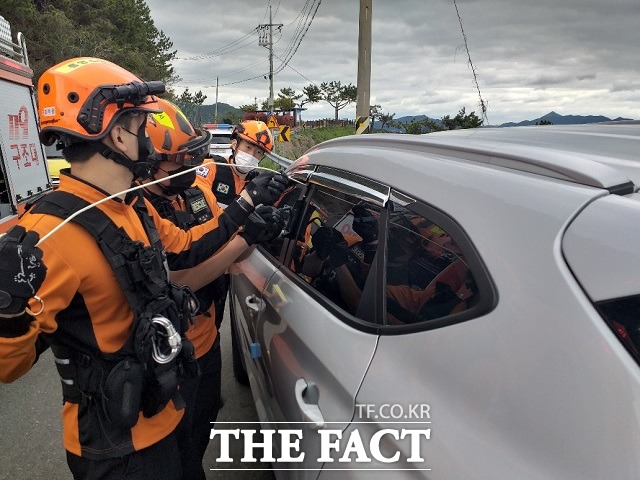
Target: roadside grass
x: 303, y: 140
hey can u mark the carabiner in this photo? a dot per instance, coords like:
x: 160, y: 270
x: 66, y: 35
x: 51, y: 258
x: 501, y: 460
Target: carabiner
x: 172, y: 337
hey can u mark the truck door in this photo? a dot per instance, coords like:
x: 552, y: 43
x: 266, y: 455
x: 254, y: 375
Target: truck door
x: 23, y: 167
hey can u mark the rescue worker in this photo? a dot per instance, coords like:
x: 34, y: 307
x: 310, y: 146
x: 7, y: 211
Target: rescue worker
x: 114, y: 321
x: 188, y: 201
x: 250, y: 141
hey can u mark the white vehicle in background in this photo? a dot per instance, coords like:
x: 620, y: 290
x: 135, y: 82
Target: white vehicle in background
x: 221, y: 141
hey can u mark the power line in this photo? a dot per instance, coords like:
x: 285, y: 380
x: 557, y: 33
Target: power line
x: 483, y: 104
x: 302, y: 32
x: 291, y: 67
x: 229, y: 48
x: 305, y: 18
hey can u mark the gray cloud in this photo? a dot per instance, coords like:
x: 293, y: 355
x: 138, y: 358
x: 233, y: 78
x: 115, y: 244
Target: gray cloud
x: 574, y: 56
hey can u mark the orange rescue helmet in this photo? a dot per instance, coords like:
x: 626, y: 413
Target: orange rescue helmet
x: 81, y: 99
x: 174, y: 138
x: 255, y: 132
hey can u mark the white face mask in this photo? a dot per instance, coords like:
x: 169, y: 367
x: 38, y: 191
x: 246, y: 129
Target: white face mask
x: 245, y: 162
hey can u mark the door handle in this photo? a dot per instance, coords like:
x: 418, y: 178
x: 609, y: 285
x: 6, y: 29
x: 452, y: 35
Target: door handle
x: 254, y: 304
x: 307, y: 396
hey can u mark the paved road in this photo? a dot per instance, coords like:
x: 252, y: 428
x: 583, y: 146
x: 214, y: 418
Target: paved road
x: 31, y: 426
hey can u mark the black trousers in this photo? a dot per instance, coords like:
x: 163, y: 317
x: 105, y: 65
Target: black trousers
x: 202, y: 396
x: 221, y: 285
x: 159, y: 461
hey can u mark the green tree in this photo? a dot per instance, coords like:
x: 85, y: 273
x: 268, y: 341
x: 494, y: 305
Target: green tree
x: 427, y: 125
x: 386, y: 119
x: 249, y: 108
x: 374, y: 115
x: 121, y: 31
x: 287, y: 99
x: 461, y: 120
x: 417, y: 127
x: 190, y: 105
x: 312, y: 94
x: 338, y: 95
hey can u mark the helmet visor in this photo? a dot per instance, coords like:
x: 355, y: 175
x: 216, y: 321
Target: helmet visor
x: 197, y: 149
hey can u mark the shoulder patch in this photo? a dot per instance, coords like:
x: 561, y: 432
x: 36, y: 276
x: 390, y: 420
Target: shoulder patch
x: 202, y: 171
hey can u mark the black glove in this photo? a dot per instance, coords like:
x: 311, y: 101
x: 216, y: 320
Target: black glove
x: 275, y: 220
x: 266, y: 188
x: 338, y: 255
x: 21, y: 269
x: 263, y: 225
x: 324, y: 239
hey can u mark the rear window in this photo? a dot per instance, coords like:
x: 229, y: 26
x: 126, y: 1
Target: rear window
x: 623, y: 317
x: 601, y: 248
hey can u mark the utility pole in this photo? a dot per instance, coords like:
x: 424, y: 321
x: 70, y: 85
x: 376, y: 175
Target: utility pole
x: 364, y: 67
x: 263, y: 41
x: 215, y: 110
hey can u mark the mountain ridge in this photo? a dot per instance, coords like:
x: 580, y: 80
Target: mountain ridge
x: 558, y: 119
x: 206, y: 115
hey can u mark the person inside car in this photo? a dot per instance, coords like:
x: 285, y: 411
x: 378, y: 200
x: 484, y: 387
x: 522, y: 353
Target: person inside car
x: 426, y: 277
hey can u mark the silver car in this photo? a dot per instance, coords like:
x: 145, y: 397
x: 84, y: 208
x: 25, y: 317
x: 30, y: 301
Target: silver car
x: 456, y: 305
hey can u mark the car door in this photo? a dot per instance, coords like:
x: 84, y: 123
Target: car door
x: 249, y: 277
x: 314, y: 352
x: 432, y: 278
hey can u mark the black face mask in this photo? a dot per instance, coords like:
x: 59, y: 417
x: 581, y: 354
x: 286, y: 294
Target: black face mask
x: 180, y: 183
x: 145, y: 147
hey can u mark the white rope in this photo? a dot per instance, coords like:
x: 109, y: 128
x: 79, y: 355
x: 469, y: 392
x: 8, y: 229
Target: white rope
x: 138, y: 187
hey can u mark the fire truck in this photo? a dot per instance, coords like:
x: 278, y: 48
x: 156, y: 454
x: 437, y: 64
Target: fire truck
x: 23, y: 163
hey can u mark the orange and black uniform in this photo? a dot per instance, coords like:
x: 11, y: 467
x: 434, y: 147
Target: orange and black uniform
x: 86, y: 310
x: 201, y: 394
x: 225, y: 183
x: 204, y: 333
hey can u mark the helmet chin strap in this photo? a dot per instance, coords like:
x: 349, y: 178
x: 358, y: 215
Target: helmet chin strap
x: 140, y: 169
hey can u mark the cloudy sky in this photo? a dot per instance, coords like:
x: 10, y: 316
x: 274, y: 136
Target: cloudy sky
x: 530, y: 57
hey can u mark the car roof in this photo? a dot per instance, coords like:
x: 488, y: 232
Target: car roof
x: 225, y: 128
x: 604, y: 155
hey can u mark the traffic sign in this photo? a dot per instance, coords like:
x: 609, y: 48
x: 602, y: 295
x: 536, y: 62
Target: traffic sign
x: 285, y: 134
x: 272, y: 122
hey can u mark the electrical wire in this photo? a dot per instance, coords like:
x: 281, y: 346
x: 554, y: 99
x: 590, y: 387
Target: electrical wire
x: 228, y: 48
x: 306, y: 17
x: 301, y: 31
x: 291, y: 67
x: 483, y: 103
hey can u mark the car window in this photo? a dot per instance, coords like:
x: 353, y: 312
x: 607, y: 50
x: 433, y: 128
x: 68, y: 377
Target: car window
x: 336, y: 247
x: 427, y: 276
x: 224, y: 139
x: 623, y: 317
